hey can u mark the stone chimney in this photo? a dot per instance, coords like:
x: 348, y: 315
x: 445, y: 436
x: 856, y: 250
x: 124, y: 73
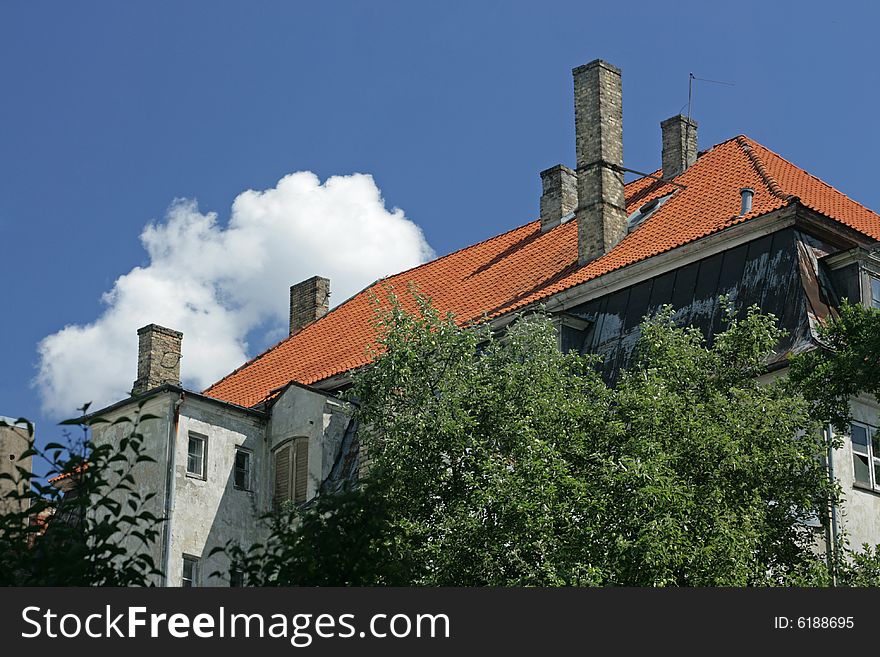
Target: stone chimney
x: 598, y: 117
x: 679, y: 145
x: 309, y: 300
x: 158, y: 358
x: 558, y: 196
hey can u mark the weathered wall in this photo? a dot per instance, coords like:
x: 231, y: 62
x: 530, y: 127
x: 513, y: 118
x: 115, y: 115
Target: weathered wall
x: 764, y: 271
x: 860, y: 515
x: 14, y: 441
x: 149, y: 477
x: 206, y: 513
x: 300, y: 412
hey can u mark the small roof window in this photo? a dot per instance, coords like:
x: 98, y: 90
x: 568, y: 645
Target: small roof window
x: 645, y: 211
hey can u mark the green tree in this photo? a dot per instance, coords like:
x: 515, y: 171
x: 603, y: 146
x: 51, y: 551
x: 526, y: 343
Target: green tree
x: 716, y: 477
x: 846, y: 365
x: 95, y: 527
x: 495, y: 459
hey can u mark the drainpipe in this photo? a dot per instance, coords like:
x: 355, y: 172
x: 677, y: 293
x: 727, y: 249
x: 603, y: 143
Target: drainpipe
x: 173, y: 422
x: 835, y: 530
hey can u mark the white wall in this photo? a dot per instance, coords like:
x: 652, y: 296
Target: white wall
x: 206, y: 513
x: 149, y: 477
x: 860, y: 515
x: 300, y: 412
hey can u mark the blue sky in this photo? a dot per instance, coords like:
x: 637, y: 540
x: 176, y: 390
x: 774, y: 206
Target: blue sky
x: 112, y: 110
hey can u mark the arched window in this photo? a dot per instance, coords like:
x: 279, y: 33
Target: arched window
x: 291, y: 471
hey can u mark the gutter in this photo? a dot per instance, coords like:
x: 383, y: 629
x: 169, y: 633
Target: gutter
x: 173, y: 424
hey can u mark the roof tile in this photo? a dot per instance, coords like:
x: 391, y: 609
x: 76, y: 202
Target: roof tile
x: 524, y: 266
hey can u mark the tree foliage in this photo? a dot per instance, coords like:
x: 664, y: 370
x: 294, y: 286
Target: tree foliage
x: 91, y: 527
x: 496, y: 459
x: 846, y: 364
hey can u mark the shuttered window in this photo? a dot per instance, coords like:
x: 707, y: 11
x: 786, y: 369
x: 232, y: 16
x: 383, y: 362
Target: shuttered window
x: 282, y: 475
x: 292, y: 472
x: 301, y: 472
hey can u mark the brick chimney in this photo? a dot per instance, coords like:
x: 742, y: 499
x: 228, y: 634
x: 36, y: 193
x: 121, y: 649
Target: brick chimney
x: 679, y: 145
x: 598, y: 117
x: 158, y: 358
x: 309, y: 300
x: 558, y: 196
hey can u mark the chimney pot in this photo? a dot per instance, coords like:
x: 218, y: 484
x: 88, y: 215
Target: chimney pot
x: 747, y: 193
x: 598, y: 112
x: 309, y: 301
x: 559, y: 195
x: 159, y: 353
x: 679, y: 145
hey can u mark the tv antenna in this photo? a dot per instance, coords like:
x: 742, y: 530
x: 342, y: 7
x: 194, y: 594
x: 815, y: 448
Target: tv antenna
x: 693, y: 78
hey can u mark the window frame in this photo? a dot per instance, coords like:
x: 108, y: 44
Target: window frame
x: 874, y: 290
x: 247, y: 470
x: 193, y: 580
x: 203, y: 475
x: 869, y: 451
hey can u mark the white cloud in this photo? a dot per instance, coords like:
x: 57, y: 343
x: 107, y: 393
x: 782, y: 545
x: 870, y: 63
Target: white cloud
x: 216, y: 283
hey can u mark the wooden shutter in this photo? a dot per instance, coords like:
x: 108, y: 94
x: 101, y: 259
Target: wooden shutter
x: 282, y: 475
x: 301, y: 474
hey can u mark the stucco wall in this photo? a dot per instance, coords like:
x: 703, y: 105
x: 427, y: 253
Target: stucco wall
x: 149, y: 477
x: 14, y: 440
x: 300, y: 412
x: 206, y: 513
x: 860, y: 515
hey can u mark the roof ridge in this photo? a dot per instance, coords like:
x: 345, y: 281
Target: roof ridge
x: 817, y: 179
x: 769, y: 180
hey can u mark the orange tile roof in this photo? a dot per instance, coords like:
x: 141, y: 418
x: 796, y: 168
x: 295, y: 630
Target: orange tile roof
x: 524, y: 265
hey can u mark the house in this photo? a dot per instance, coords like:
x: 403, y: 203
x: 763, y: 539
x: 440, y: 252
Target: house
x: 736, y: 220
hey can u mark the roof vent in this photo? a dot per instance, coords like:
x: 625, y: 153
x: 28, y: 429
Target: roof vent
x: 747, y: 194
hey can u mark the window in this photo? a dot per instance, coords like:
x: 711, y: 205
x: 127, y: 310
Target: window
x: 291, y: 472
x: 646, y: 210
x: 190, y: 571
x: 875, y: 292
x: 241, y: 472
x: 195, y: 455
x: 866, y: 454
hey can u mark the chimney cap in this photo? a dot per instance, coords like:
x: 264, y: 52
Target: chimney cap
x: 556, y: 167
x: 679, y: 118
x: 594, y: 64
x: 159, y: 329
